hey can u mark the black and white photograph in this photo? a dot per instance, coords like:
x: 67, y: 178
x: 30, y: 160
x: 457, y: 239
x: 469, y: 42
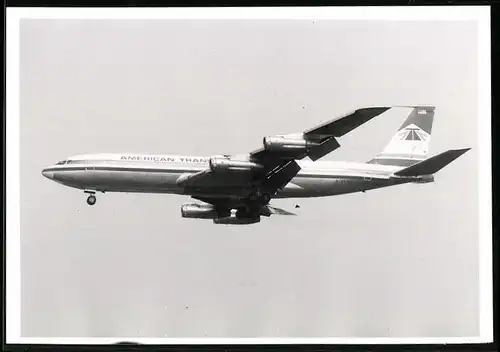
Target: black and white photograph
x: 280, y: 175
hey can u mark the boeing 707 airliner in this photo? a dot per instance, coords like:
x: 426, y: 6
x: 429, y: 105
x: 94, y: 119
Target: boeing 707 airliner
x: 238, y: 189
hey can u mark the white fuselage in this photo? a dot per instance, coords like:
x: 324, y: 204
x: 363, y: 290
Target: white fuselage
x: 160, y: 174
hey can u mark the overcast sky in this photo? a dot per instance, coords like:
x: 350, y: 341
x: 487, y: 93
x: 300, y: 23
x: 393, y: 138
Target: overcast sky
x: 395, y: 262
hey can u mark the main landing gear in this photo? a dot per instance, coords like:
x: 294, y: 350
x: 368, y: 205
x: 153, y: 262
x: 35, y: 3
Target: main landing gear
x: 262, y: 198
x: 91, y: 200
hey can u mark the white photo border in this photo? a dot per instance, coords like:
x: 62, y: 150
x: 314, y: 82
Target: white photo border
x: 481, y: 14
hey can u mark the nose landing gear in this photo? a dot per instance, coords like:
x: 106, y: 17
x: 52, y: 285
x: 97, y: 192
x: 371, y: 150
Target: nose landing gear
x: 91, y: 200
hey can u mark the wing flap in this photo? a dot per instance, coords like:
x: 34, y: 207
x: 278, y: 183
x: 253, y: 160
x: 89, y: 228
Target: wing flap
x: 268, y: 210
x: 281, y: 176
x: 239, y: 183
x: 324, y: 148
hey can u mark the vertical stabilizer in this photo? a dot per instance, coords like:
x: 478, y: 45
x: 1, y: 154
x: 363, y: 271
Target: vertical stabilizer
x: 410, y: 144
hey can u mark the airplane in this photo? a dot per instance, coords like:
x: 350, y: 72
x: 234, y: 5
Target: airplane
x: 237, y: 189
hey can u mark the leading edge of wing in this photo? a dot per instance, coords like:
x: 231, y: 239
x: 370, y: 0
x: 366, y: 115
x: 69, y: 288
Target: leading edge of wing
x: 344, y: 124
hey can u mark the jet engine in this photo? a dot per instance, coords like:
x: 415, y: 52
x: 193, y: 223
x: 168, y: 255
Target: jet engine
x: 285, y: 144
x: 219, y: 164
x: 235, y: 220
x: 198, y: 211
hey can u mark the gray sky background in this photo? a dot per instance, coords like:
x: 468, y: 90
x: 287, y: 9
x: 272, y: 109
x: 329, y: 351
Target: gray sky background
x: 396, y: 262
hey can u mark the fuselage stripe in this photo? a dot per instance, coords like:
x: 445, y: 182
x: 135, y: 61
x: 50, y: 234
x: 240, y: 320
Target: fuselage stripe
x: 303, y: 174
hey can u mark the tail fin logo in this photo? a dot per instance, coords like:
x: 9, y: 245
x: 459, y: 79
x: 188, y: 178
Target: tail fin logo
x: 411, y: 142
x: 412, y: 133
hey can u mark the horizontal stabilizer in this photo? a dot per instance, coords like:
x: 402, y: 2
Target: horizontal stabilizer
x: 432, y: 165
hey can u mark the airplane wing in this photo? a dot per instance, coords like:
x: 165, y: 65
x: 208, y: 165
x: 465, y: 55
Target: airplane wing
x: 317, y: 141
x: 271, y: 167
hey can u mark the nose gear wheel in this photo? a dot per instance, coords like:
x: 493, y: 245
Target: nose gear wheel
x: 91, y: 200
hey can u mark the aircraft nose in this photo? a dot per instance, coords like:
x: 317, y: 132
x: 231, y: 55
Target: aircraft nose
x: 48, y: 173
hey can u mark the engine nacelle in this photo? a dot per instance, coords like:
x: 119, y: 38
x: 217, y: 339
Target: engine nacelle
x: 234, y: 220
x: 219, y: 164
x: 286, y: 144
x: 198, y: 211
x: 424, y: 179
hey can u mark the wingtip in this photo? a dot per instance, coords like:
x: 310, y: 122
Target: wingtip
x: 463, y: 150
x: 424, y: 107
x: 457, y: 152
x: 376, y: 108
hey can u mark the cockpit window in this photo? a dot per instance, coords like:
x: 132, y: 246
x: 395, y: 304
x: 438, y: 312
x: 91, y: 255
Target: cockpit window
x: 75, y: 162
x: 61, y: 162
